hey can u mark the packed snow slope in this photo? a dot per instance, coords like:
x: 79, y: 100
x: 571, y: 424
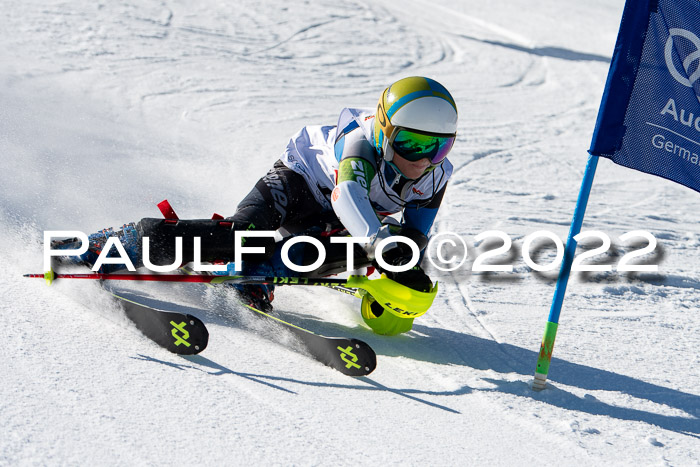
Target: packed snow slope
x: 107, y: 108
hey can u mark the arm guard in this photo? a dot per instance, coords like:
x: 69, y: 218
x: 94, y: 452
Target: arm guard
x: 351, y: 205
x: 350, y: 197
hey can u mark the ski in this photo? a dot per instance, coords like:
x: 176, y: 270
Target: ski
x: 180, y: 333
x: 351, y: 357
x: 185, y: 334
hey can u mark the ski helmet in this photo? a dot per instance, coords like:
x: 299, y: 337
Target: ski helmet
x: 416, y: 118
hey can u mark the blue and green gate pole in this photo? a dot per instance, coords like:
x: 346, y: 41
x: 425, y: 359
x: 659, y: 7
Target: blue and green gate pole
x: 550, y: 331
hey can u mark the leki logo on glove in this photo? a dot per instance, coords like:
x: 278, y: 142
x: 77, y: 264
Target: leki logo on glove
x: 177, y: 328
x: 687, y: 62
x: 347, y: 352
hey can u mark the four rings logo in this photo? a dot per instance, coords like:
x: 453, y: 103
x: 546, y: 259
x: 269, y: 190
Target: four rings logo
x: 695, y: 56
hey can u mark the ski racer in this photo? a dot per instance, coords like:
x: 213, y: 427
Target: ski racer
x: 349, y: 177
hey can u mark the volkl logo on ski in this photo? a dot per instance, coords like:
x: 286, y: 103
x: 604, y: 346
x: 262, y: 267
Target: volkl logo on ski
x: 185, y: 334
x: 347, y: 352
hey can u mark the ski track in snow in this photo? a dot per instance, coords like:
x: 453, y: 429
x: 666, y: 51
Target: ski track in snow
x: 110, y: 107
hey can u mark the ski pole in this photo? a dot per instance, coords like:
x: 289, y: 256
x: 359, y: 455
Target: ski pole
x: 209, y: 279
x: 397, y: 298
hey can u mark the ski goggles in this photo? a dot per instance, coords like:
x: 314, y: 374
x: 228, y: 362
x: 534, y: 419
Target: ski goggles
x: 414, y: 146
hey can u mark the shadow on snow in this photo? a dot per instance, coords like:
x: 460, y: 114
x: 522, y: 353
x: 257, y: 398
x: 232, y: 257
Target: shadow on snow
x: 554, y: 52
x: 445, y: 347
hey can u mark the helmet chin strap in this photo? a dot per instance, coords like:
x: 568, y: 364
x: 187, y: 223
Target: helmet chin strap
x: 397, y: 170
x: 387, y: 155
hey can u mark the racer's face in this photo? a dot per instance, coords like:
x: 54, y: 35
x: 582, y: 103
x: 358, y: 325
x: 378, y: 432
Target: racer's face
x: 411, y: 169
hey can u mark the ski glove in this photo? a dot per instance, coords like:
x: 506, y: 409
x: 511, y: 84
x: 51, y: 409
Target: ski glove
x: 395, y: 253
x: 398, y: 254
x: 415, y: 279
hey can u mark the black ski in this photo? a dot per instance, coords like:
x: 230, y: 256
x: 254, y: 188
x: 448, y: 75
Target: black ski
x: 180, y: 333
x: 185, y: 334
x: 351, y: 357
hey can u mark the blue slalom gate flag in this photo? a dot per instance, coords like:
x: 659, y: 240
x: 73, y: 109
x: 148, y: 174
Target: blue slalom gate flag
x: 649, y: 118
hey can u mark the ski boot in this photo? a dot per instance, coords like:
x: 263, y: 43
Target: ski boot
x: 258, y: 296
x: 128, y: 236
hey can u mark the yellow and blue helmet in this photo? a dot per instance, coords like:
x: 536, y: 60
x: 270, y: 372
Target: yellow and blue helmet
x: 416, y: 118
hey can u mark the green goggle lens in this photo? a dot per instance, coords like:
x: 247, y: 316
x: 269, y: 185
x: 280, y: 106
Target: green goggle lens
x: 415, y: 146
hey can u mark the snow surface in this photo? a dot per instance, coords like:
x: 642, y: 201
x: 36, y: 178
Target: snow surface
x: 106, y: 108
